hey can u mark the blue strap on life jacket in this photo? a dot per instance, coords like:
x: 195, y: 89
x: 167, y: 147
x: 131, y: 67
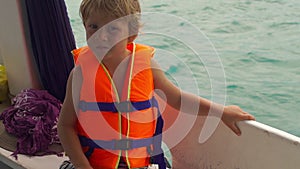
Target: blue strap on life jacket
x: 125, y: 106
x: 157, y: 155
x: 121, y: 144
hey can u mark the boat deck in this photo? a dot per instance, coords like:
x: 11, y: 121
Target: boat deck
x: 26, y: 162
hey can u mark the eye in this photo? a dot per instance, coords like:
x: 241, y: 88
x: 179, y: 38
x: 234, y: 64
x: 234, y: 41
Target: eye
x: 93, y: 26
x: 112, y: 29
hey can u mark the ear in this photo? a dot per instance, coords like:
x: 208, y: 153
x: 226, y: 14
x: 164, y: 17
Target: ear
x: 131, y: 38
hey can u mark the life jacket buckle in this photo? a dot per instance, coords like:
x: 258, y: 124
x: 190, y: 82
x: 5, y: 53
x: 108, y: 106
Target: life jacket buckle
x: 124, y: 106
x: 123, y: 144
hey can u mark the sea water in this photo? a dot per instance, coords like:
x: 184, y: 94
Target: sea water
x: 253, y: 46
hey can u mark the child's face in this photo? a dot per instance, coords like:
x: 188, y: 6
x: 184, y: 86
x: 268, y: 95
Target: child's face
x: 106, y: 34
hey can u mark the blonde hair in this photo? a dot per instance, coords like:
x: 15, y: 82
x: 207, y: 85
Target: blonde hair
x: 113, y: 8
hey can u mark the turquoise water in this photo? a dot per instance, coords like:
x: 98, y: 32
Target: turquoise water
x: 258, y: 43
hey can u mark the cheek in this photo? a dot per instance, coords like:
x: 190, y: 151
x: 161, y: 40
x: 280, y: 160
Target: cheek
x: 121, y: 35
x: 87, y: 36
x: 89, y: 33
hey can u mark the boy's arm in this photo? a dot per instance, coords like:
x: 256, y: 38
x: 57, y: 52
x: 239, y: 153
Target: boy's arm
x: 190, y: 103
x: 67, y: 128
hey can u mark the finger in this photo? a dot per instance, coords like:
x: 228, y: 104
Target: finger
x: 251, y: 117
x: 247, y: 116
x: 235, y: 129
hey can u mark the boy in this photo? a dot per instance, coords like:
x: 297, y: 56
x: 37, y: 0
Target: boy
x: 110, y: 117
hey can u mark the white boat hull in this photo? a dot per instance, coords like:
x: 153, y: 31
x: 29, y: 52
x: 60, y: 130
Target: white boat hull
x: 259, y: 147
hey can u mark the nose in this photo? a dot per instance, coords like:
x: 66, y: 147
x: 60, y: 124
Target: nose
x: 102, y: 35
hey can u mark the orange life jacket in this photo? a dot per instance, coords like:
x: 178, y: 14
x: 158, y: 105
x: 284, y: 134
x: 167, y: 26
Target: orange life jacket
x: 112, y: 127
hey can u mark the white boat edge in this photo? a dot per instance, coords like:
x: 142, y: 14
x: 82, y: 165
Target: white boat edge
x: 26, y: 162
x: 259, y: 146
x: 271, y: 131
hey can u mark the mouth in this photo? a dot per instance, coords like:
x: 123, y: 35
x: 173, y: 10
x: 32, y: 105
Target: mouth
x: 102, y: 47
x: 101, y: 50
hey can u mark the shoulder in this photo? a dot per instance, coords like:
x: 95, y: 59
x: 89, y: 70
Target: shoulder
x: 158, y: 74
x: 142, y: 48
x: 80, y: 54
x: 75, y: 76
x: 77, y: 52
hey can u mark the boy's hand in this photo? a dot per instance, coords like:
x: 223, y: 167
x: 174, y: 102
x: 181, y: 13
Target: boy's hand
x: 233, y: 114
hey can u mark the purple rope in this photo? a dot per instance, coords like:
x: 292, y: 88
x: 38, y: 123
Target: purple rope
x: 33, y: 118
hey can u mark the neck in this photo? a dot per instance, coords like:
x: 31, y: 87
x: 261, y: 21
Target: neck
x: 113, y: 60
